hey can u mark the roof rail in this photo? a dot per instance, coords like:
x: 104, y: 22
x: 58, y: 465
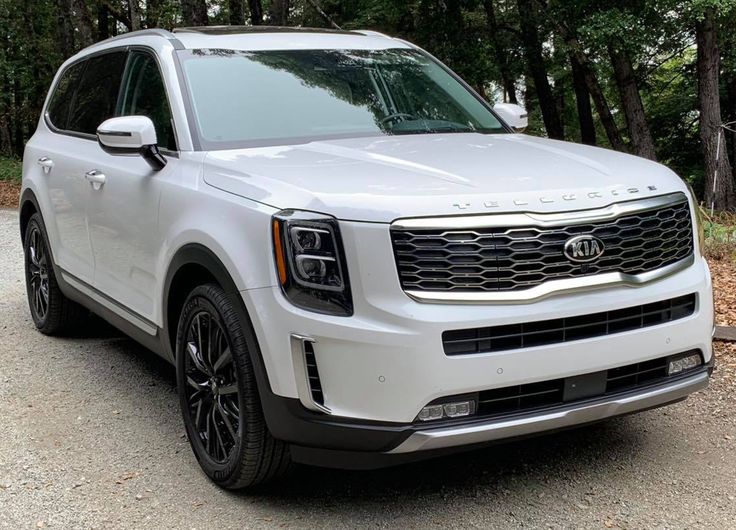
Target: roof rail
x: 372, y: 33
x: 235, y: 30
x: 159, y: 32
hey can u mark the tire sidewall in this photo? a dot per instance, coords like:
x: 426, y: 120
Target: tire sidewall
x: 35, y: 222
x: 199, y: 300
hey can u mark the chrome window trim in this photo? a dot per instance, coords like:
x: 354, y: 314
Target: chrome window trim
x: 552, y: 287
x: 612, y: 211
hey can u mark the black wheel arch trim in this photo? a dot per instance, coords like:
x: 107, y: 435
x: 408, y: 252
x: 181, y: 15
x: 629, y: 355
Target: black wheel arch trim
x: 197, y: 254
x: 27, y: 197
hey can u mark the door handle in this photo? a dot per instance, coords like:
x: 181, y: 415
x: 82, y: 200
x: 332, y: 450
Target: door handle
x: 96, y: 178
x: 46, y: 163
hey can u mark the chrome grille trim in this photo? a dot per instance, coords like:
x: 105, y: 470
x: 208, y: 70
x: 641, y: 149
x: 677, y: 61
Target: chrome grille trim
x: 525, y: 292
x: 575, y: 217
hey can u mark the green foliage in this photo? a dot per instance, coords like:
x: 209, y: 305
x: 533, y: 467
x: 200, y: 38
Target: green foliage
x: 656, y: 35
x: 10, y: 169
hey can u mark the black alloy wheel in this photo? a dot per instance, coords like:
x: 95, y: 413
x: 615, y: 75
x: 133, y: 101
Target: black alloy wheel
x: 212, y: 386
x: 218, y: 393
x: 52, y: 312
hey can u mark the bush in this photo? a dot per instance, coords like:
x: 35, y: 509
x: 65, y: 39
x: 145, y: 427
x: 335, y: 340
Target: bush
x: 10, y: 169
x: 720, y: 235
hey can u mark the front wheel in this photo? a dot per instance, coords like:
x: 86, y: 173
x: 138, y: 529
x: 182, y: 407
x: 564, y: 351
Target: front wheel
x: 218, y: 395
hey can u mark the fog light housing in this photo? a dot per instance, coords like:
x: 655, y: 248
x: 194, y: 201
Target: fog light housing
x: 454, y: 409
x: 683, y: 363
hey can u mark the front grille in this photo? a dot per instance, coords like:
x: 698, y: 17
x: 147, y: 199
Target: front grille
x: 533, y: 396
x: 493, y: 259
x: 558, y: 330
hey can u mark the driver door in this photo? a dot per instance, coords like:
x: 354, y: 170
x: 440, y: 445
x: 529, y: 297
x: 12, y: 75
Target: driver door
x: 123, y: 212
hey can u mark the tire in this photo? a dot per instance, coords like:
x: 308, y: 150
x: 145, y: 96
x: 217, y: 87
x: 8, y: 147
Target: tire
x: 52, y: 312
x: 218, y: 395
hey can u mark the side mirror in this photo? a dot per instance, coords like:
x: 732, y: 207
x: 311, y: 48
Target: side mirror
x: 513, y: 114
x: 131, y: 135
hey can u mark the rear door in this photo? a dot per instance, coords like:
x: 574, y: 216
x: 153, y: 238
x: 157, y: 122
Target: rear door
x: 123, y: 213
x: 85, y: 95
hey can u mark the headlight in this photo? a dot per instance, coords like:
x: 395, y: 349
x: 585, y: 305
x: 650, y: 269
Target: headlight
x: 310, y: 262
x: 699, y: 225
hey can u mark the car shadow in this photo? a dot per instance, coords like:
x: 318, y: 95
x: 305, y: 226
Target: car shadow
x: 500, y: 469
x: 496, y: 471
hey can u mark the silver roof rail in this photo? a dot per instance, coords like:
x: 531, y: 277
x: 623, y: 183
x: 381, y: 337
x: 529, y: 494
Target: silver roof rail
x: 159, y: 32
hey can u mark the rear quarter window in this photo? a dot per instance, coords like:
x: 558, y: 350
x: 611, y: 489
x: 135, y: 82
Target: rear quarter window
x: 63, y: 95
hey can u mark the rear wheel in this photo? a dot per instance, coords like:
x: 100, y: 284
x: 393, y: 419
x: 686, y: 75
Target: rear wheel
x: 52, y: 312
x: 218, y: 395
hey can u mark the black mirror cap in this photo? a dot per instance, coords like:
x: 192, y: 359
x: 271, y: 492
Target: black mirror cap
x: 153, y: 156
x: 150, y: 154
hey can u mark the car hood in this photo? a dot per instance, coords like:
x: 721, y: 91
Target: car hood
x: 383, y: 179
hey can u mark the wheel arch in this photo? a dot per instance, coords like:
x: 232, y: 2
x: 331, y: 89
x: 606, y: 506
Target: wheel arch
x: 195, y: 264
x: 28, y: 206
x: 192, y: 265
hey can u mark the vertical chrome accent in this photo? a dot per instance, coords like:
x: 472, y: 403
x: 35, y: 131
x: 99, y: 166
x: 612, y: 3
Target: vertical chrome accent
x: 301, y: 373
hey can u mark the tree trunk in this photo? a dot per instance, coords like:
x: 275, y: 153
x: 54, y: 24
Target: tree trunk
x: 596, y: 93
x: 153, y: 13
x: 194, y: 12
x: 636, y: 120
x: 582, y: 99
x: 84, y: 24
x: 720, y: 194
x: 236, y: 13
x: 535, y: 63
x: 499, y: 53
x: 134, y: 13
x: 256, y: 12
x: 279, y: 13
x: 730, y: 112
x: 103, y: 21
x: 65, y: 28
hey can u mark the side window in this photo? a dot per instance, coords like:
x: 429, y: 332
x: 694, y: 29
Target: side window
x: 61, y: 99
x: 144, y: 94
x: 97, y: 94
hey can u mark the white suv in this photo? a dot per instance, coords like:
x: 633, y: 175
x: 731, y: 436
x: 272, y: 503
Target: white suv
x: 351, y: 259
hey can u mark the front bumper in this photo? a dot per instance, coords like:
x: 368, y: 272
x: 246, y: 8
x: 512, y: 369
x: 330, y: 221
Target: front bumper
x: 577, y: 414
x: 379, y: 367
x: 320, y: 440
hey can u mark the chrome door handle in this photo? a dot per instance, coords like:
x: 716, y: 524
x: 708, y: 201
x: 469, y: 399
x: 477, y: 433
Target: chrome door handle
x: 46, y: 163
x: 97, y: 178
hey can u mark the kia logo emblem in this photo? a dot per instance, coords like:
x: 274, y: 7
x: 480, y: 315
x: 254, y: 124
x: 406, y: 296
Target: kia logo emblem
x: 582, y: 249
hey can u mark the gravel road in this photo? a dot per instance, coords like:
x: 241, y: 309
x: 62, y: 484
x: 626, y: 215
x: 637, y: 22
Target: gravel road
x: 91, y: 437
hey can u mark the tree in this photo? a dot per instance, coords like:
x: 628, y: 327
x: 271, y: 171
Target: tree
x: 256, y: 12
x: 719, y: 186
x: 500, y: 53
x: 194, y: 12
x: 279, y: 12
x: 236, y: 13
x: 582, y: 100
x: 636, y: 120
x: 532, y: 42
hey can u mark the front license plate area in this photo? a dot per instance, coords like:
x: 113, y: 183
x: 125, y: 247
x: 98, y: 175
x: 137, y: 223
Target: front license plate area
x: 584, y: 386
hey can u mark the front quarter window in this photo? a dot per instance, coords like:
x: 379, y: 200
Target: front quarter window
x: 248, y: 98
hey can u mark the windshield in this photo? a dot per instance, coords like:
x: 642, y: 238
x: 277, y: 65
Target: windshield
x: 248, y: 98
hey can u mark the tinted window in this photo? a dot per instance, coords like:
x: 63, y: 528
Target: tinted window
x: 61, y: 100
x: 144, y: 95
x: 96, y: 97
x: 267, y: 97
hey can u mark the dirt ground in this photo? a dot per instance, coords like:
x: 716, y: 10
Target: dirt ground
x: 91, y: 437
x: 9, y: 194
